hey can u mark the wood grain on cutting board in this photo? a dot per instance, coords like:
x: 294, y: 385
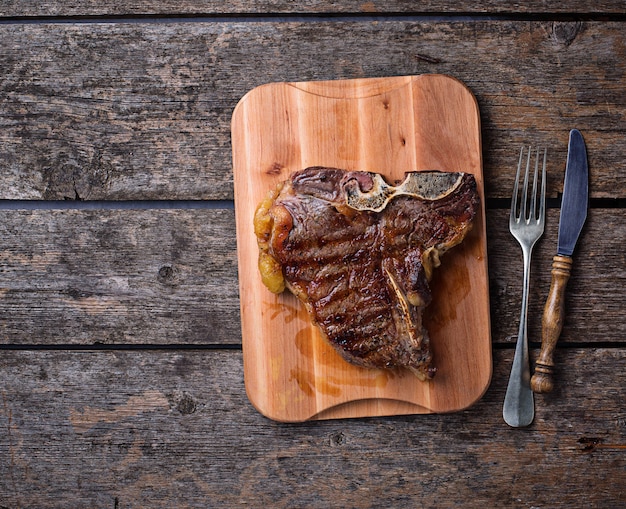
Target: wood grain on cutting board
x: 386, y: 125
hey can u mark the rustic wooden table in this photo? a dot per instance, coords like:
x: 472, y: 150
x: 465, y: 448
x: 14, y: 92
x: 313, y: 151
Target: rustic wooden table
x: 121, y: 377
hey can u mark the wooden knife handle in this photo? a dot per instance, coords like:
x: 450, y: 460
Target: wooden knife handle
x: 552, y: 324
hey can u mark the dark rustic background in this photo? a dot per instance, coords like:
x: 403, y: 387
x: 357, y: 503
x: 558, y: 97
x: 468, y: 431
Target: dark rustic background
x: 121, y: 377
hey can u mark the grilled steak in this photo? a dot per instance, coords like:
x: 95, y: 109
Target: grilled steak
x: 359, y: 253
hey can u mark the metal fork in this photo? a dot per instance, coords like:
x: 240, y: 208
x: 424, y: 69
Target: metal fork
x: 526, y: 224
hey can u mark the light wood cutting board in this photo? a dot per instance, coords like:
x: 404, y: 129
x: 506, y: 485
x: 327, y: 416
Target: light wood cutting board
x: 386, y: 125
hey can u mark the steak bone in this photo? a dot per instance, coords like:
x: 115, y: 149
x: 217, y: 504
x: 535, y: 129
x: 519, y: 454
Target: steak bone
x: 426, y: 185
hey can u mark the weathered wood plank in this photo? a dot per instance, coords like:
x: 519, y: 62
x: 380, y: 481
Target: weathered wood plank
x: 142, y: 111
x: 170, y: 277
x: 206, y: 7
x: 163, y: 429
x: 134, y: 276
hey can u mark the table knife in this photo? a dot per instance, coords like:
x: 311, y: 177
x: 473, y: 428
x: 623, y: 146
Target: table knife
x: 573, y: 214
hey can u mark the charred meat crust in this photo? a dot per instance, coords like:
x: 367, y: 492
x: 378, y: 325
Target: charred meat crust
x: 364, y: 274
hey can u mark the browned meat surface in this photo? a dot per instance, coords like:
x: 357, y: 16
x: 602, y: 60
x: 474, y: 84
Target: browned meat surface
x: 359, y: 254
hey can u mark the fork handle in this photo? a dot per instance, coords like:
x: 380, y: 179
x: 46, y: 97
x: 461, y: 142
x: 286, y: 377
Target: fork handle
x: 552, y: 324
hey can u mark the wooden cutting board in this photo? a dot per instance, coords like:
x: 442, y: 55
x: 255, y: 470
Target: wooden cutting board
x: 386, y: 125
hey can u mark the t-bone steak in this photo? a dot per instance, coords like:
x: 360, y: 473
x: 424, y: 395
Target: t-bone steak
x: 359, y: 253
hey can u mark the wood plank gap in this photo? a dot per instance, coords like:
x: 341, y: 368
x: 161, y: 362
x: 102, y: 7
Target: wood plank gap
x: 273, y: 17
x: 120, y: 347
x: 566, y: 345
x: 607, y: 203
x: 115, y: 204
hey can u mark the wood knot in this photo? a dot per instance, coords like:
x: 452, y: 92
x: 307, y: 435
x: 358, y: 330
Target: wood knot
x: 565, y: 32
x: 76, y: 176
x: 186, y: 405
x: 74, y: 293
x: 337, y: 439
x: 275, y: 169
x: 167, y: 274
x: 588, y: 444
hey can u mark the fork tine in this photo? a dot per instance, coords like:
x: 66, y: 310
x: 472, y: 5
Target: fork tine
x: 542, y: 202
x: 524, y: 199
x: 533, y: 199
x: 514, y: 199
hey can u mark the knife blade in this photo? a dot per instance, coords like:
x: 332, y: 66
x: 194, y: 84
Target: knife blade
x: 575, y: 195
x: 574, y: 207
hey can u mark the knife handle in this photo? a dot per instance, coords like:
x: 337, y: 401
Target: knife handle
x: 552, y: 324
